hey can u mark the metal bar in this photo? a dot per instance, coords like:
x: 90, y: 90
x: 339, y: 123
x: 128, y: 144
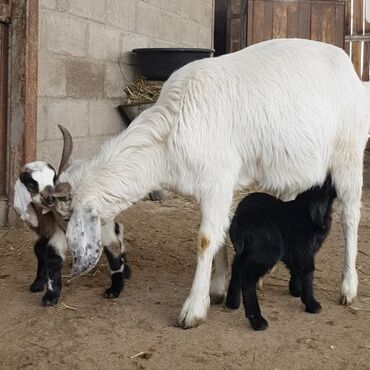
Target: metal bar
x: 357, y: 38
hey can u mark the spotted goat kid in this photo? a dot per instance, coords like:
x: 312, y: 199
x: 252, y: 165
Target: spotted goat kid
x: 34, y: 201
x: 265, y: 230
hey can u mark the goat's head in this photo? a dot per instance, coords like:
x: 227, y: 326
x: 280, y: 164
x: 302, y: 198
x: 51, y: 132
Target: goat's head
x: 36, y: 184
x: 39, y: 179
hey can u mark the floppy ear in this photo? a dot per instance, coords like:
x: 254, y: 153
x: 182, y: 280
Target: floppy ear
x: 317, y: 211
x: 23, y: 204
x: 84, y: 239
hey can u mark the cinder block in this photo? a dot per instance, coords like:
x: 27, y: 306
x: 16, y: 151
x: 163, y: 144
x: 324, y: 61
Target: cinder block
x: 91, y: 9
x: 87, y: 147
x: 131, y: 41
x: 42, y: 121
x: 170, y: 28
x: 189, y: 33
x: 104, y: 42
x: 178, y: 7
x: 60, y: 5
x: 104, y: 118
x: 84, y: 79
x: 147, y: 19
x: 157, y: 43
x: 73, y: 114
x: 117, y: 77
x: 198, y: 11
x: 51, y: 75
x: 121, y: 14
x: 50, y: 151
x: 204, y: 37
x: 66, y: 35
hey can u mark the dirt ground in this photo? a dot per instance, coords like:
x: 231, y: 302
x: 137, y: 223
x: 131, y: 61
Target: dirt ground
x: 86, y: 331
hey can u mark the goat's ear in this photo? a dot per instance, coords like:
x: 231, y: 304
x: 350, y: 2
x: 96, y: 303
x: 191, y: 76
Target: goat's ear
x: 84, y: 239
x: 23, y: 204
x: 317, y: 211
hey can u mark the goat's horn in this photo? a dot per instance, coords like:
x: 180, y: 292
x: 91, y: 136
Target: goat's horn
x: 67, y: 149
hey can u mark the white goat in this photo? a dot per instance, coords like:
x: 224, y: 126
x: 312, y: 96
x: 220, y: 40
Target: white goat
x: 280, y: 115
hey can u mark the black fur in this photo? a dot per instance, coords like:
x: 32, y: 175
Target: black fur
x: 27, y: 180
x: 41, y: 278
x: 54, y: 264
x: 265, y: 230
x: 117, y: 277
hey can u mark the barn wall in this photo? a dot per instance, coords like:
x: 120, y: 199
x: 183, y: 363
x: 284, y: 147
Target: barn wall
x: 80, y: 79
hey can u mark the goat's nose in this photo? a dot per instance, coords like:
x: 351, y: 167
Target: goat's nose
x: 47, y: 195
x: 49, y: 200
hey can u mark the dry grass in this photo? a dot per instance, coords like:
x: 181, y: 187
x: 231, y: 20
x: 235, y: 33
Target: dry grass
x: 143, y: 91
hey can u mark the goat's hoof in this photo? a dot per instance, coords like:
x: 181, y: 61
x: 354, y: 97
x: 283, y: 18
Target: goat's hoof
x: 194, y: 312
x: 313, y: 307
x: 345, y: 301
x: 111, y: 294
x: 216, y: 298
x: 258, y: 323
x: 37, y: 286
x: 185, y: 325
x: 49, y: 300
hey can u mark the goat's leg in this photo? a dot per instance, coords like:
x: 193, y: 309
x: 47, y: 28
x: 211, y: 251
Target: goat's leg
x: 119, y: 270
x: 295, y: 284
x: 307, y: 296
x: 233, y: 293
x: 55, y: 254
x: 250, y: 301
x: 54, y: 264
x: 112, y: 238
x: 218, y: 282
x: 215, y: 221
x: 41, y: 278
x: 347, y: 179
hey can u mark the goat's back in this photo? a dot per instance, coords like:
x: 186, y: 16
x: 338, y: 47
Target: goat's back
x: 275, y: 114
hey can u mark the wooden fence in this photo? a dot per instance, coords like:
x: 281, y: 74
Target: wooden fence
x: 338, y: 22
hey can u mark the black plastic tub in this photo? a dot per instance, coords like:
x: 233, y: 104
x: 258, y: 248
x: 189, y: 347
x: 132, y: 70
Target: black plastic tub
x: 159, y: 63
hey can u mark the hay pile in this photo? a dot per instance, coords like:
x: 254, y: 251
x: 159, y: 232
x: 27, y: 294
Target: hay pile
x: 143, y: 91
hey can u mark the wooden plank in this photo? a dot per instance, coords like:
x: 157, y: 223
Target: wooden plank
x: 235, y: 7
x: 234, y: 36
x: 347, y: 23
x: 304, y: 20
x: 250, y: 22
x: 279, y: 20
x: 339, y: 25
x: 267, y: 33
x: 316, y: 13
x: 365, y: 74
x: 328, y: 24
x: 292, y: 20
x: 258, y: 21
x: 4, y: 35
x: 23, y: 99
x: 357, y: 30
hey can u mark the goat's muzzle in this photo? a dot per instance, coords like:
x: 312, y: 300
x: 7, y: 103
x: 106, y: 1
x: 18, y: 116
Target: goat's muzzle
x: 46, y: 196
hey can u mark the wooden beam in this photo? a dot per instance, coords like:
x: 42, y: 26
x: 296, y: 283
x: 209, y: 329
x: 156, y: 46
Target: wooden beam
x: 23, y: 86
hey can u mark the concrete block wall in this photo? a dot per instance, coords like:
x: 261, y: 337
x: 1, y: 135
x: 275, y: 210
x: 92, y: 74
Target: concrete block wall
x: 80, y: 42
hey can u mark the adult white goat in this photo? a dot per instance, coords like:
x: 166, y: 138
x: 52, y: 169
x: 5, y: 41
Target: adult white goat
x: 280, y: 115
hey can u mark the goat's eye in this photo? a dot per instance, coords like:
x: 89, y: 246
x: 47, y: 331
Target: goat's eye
x: 32, y: 187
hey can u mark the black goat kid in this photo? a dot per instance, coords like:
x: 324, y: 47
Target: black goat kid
x: 265, y: 230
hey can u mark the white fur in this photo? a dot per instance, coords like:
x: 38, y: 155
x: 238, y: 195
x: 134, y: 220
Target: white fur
x: 22, y: 204
x: 58, y: 242
x: 278, y: 115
